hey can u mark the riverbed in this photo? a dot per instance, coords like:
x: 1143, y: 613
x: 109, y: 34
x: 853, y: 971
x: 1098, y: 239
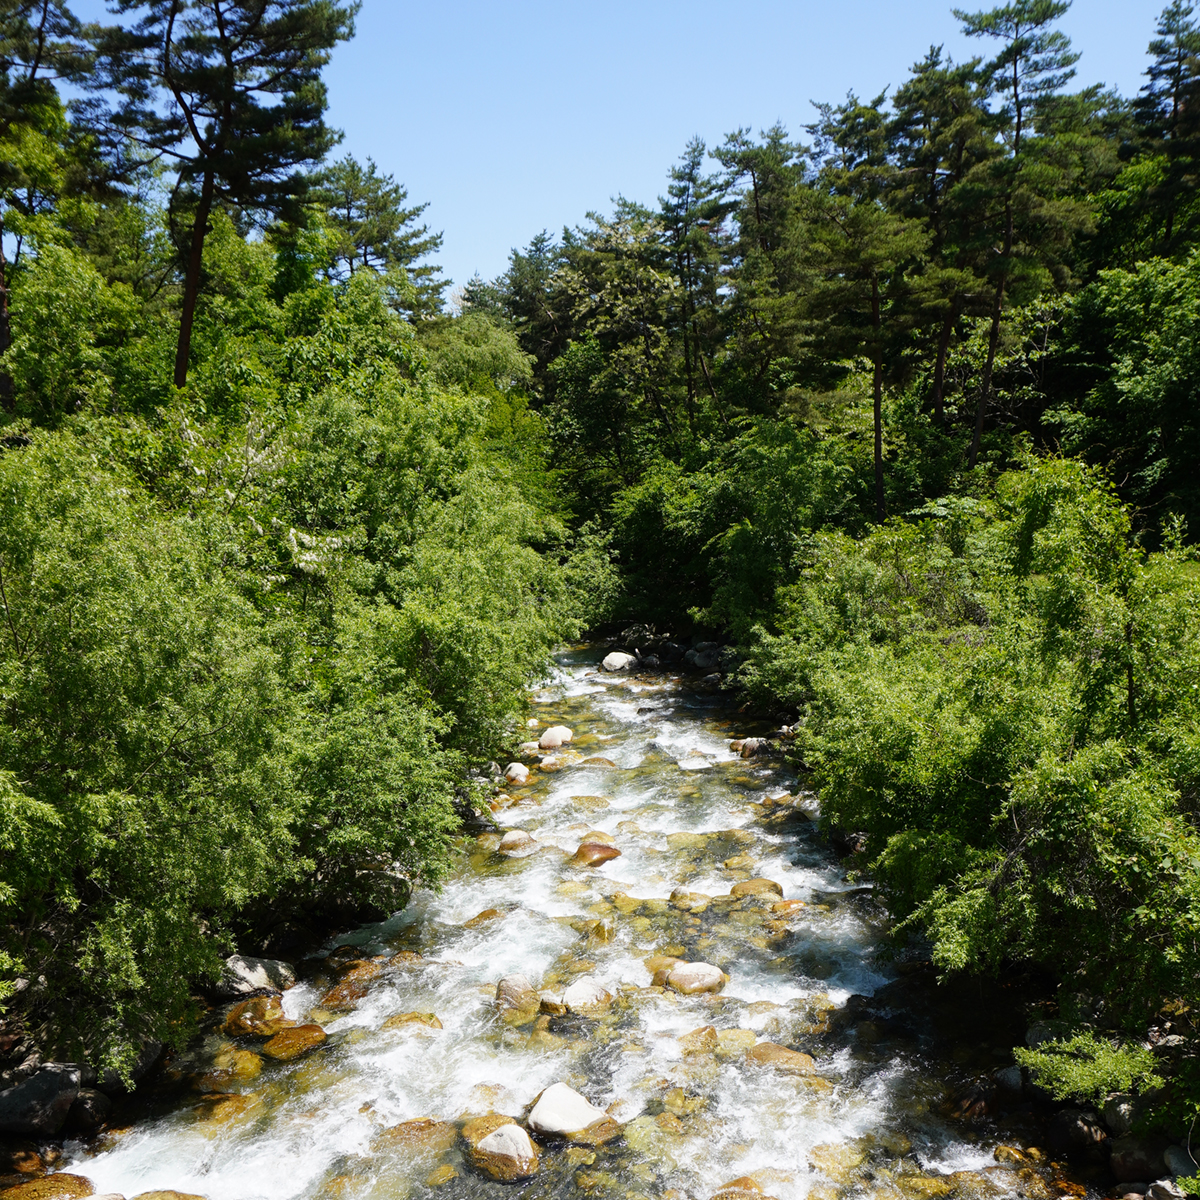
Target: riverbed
x: 649, y: 771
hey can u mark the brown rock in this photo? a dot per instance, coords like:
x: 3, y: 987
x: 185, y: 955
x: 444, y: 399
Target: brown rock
x: 592, y: 854
x: 488, y: 914
x: 51, y: 1187
x: 352, y: 986
x: 597, y: 761
x: 700, y: 1041
x: 225, y: 1109
x: 780, y: 1059
x: 691, y: 978
x: 292, y: 1043
x: 260, y: 1017
x: 755, y: 887
x: 168, y: 1196
x: 424, y: 1138
x: 500, y: 1148
x: 412, y: 1018
x: 788, y: 906
x: 443, y: 1175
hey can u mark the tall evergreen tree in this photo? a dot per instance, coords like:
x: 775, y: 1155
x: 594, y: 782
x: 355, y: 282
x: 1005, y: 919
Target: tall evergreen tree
x: 1034, y: 62
x: 229, y: 93
x: 375, y: 231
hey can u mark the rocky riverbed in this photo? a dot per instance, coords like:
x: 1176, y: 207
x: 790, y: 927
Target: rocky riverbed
x: 653, y: 980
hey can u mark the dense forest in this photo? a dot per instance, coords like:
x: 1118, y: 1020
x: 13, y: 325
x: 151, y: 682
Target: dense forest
x: 902, y: 405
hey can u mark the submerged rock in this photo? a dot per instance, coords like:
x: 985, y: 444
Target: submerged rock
x: 516, y: 841
x: 61, y: 1186
x: 401, y: 1020
x: 700, y: 1041
x: 423, y: 1138
x: 244, y: 976
x: 39, y: 1105
x: 756, y: 887
x: 780, y: 1059
x: 560, y: 1111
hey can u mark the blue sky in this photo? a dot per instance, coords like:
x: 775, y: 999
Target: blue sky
x: 513, y: 116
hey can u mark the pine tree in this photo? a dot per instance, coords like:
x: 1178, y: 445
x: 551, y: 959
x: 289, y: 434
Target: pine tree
x: 938, y: 135
x: 693, y: 214
x: 1033, y: 63
x: 1167, y: 112
x: 229, y: 92
x: 374, y: 231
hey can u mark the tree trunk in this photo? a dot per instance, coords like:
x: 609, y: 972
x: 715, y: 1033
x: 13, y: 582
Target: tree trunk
x: 985, y: 387
x: 191, y: 285
x: 7, y: 397
x: 877, y: 393
x: 937, y: 399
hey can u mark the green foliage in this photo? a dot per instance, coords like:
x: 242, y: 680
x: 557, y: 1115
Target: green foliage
x: 1087, y: 1068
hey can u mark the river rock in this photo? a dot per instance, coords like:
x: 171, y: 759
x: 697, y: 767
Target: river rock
x: 244, y: 976
x: 560, y: 1111
x: 592, y: 854
x: 1180, y: 1162
x: 516, y: 841
x: 1077, y: 1132
x: 754, y: 746
x: 39, y: 1105
x: 618, y: 660
x: 89, y: 1111
x: 289, y: 1044
x: 516, y: 773
x: 259, y: 1017
x: 554, y: 737
x: 690, y: 978
x: 352, y: 986
x: 1120, y: 1112
x: 1165, y: 1189
x: 500, y: 1148
x: 426, y: 1020
x: 838, y: 1161
x: 703, y: 657
x: 168, y: 1196
x: 423, y: 1138
x: 1133, y: 1158
x: 586, y: 997
x: 60, y: 1186
x: 482, y: 918
x: 780, y: 1059
x: 515, y: 991
x: 756, y: 887
x: 700, y: 1041
x: 734, y: 1043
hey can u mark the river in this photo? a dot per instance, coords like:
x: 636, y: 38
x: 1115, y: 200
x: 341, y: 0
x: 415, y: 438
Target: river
x: 686, y: 813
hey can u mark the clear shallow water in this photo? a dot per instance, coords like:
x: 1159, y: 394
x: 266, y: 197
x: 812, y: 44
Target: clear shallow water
x: 310, y: 1128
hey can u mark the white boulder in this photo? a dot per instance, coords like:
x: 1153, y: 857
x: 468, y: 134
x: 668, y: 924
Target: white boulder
x: 618, y: 660
x: 561, y: 1110
x: 555, y: 736
x: 242, y: 976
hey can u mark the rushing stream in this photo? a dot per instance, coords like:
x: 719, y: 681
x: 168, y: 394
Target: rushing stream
x: 651, y: 772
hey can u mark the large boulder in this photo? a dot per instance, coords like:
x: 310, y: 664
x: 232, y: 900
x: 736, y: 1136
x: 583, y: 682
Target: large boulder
x: 89, y: 1111
x: 554, y: 737
x: 1180, y: 1162
x: 289, y: 1044
x: 39, y: 1105
x: 244, y: 976
x: 560, y: 1111
x: 516, y: 773
x: 1137, y: 1158
x: 1077, y: 1132
x: 262, y: 1017
x: 756, y: 887
x: 618, y: 660
x: 500, y: 1148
